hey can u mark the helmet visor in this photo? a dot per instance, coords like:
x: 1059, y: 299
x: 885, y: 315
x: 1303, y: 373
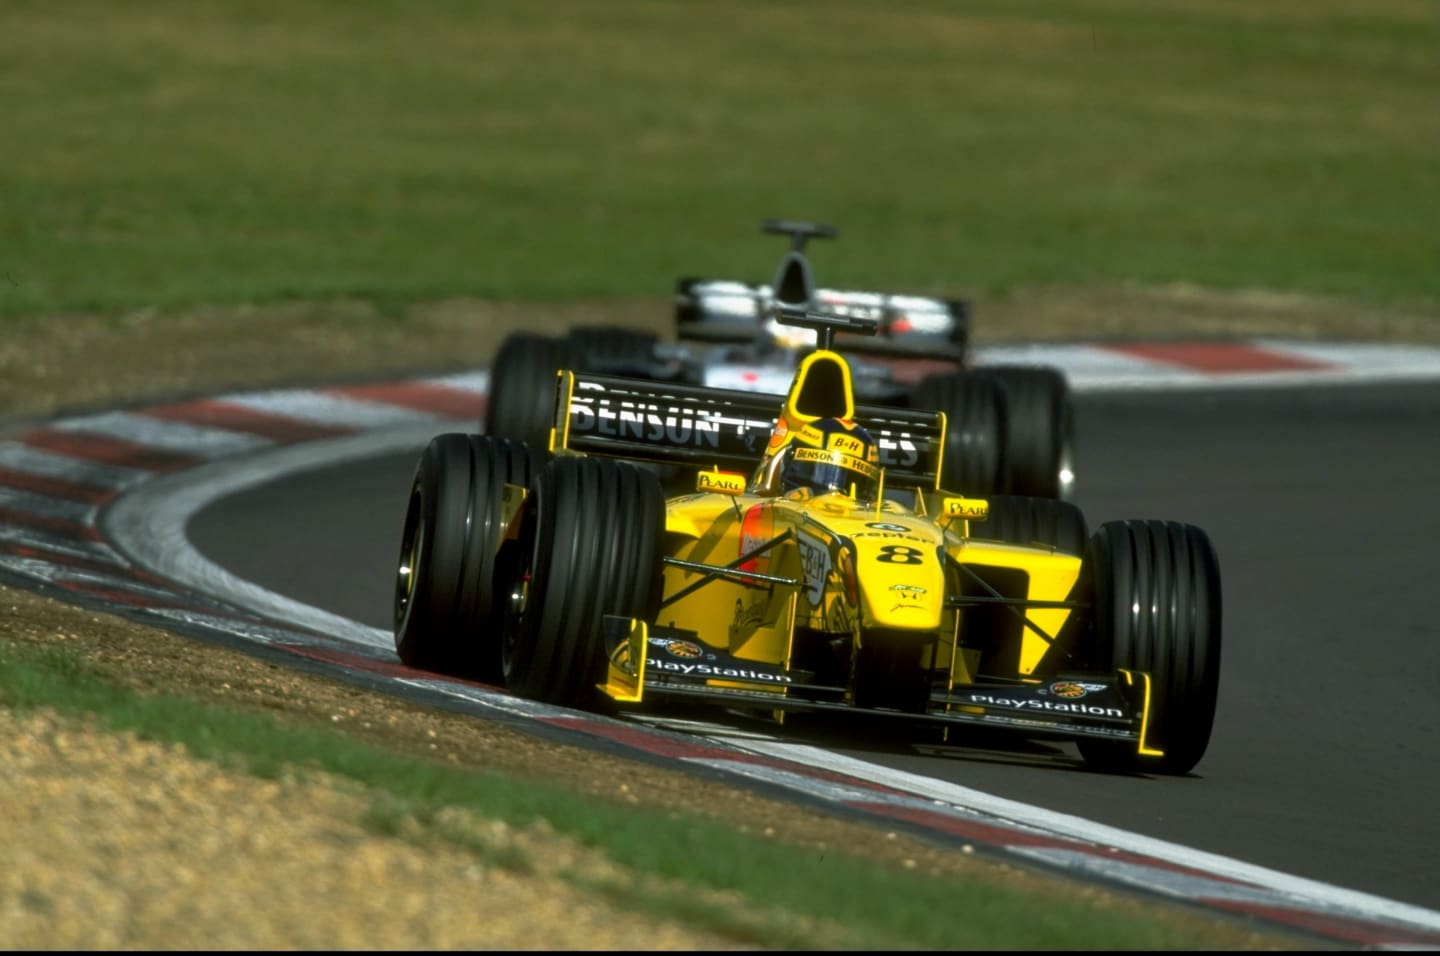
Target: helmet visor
x: 828, y: 470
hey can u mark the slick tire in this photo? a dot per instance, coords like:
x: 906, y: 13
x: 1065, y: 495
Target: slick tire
x: 1047, y: 522
x: 1155, y: 587
x: 521, y: 403
x: 1040, y: 454
x: 445, y: 612
x: 589, y: 545
x: 973, y: 461
x: 612, y: 349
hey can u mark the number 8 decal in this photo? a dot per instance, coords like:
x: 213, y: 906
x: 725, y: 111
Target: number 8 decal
x: 900, y: 554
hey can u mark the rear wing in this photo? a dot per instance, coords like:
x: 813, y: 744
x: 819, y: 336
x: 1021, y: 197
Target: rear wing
x: 709, y: 427
x: 724, y: 311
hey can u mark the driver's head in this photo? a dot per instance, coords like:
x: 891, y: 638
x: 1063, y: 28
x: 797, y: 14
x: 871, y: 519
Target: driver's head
x: 831, y: 455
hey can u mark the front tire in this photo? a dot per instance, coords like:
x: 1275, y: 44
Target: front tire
x: 445, y: 616
x: 1157, y: 608
x: 589, y: 546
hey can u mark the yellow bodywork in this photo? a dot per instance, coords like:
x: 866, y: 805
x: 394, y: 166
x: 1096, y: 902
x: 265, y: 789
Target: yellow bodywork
x: 886, y: 594
x: 899, y: 582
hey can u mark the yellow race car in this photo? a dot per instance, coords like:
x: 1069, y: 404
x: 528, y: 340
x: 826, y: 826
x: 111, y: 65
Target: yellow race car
x: 816, y: 563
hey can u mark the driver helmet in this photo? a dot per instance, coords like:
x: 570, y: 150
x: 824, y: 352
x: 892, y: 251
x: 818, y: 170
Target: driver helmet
x: 829, y: 456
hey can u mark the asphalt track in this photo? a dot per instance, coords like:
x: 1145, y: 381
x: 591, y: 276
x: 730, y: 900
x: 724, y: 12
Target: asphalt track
x: 1324, y: 506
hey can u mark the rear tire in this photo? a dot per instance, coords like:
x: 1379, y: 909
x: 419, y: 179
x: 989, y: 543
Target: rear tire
x: 521, y: 404
x: 589, y: 546
x: 445, y: 617
x: 1040, y: 453
x: 1033, y: 522
x: 977, y: 430
x: 1047, y: 522
x: 613, y: 349
x: 1157, y: 608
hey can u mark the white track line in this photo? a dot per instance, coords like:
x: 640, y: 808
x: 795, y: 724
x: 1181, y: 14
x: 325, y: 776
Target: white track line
x: 148, y: 524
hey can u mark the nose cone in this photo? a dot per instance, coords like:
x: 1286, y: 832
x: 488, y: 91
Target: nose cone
x: 902, y: 582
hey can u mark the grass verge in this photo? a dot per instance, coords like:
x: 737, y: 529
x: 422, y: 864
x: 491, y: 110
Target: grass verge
x: 173, y: 153
x: 669, y: 864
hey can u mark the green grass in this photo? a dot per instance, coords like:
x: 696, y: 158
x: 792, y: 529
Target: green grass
x: 177, y: 152
x: 867, y: 906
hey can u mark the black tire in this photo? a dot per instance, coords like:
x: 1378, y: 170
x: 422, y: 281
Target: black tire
x: 612, y: 349
x: 445, y: 616
x: 977, y: 432
x: 1033, y: 522
x: 1040, y: 453
x: 521, y: 404
x: 1018, y: 519
x: 590, y: 545
x: 1157, y: 608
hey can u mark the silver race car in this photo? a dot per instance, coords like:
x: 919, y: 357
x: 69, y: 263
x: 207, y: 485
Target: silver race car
x: 1011, y: 426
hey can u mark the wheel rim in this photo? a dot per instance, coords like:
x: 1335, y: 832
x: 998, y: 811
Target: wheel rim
x: 518, y: 559
x: 410, y: 550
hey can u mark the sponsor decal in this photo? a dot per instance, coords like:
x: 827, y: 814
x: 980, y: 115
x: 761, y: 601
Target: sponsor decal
x: 910, y: 591
x: 848, y: 444
x: 900, y: 453
x: 777, y: 437
x: 837, y: 458
x: 811, y: 435
x: 1073, y: 689
x: 687, y: 650
x: 1050, y: 705
x: 971, y: 509
x: 815, y: 559
x: 746, y: 619
x: 886, y: 526
x: 654, y: 423
x: 725, y: 482
x: 645, y: 422
x: 717, y: 671
x: 889, y: 534
x: 755, y: 530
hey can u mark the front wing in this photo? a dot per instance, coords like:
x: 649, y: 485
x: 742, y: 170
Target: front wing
x: 659, y: 663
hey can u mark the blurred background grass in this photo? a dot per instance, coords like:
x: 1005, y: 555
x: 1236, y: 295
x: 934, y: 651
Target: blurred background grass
x: 169, y: 153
